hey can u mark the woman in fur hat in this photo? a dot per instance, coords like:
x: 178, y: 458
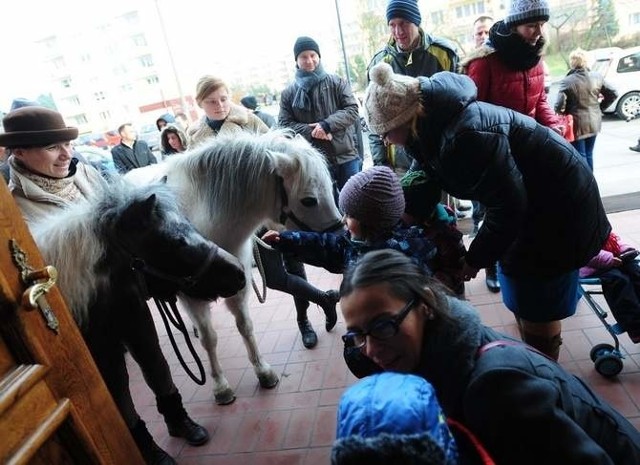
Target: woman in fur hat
x: 524, y: 408
x: 508, y: 69
x: 544, y: 216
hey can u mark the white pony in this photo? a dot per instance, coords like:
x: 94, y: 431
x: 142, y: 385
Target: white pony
x: 228, y: 188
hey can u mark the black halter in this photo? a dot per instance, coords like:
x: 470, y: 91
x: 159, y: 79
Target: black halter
x: 287, y: 214
x: 185, y: 282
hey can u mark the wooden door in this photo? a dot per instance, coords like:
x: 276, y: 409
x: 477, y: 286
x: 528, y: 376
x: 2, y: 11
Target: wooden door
x: 54, y: 406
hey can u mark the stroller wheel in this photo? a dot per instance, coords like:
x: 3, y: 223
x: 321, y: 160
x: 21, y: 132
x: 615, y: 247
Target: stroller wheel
x: 608, y: 365
x: 600, y: 349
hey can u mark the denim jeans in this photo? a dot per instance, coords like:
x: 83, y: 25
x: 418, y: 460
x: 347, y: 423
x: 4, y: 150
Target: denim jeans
x: 585, y: 148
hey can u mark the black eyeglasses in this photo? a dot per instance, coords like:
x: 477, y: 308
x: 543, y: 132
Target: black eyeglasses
x: 382, y: 329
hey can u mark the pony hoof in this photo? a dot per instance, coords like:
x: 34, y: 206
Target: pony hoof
x: 268, y: 380
x: 225, y: 397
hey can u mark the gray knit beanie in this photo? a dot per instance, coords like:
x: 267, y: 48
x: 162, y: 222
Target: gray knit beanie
x: 373, y: 197
x: 390, y: 100
x: 527, y: 11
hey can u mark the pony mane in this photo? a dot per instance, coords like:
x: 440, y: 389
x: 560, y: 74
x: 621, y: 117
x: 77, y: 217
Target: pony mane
x: 75, y: 241
x: 216, y: 168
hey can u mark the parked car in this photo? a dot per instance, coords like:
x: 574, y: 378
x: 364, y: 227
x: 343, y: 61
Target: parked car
x: 621, y: 69
x: 113, y: 138
x: 150, y: 134
x: 93, y: 139
x: 98, y: 158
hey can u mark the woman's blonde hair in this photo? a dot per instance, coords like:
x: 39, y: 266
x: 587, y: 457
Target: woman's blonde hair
x: 578, y: 59
x: 206, y: 85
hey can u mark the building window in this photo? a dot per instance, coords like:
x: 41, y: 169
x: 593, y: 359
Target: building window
x: 120, y: 69
x: 126, y: 87
x: 437, y: 18
x: 80, y: 119
x: 139, y: 40
x: 470, y: 9
x: 73, y: 101
x: 634, y: 19
x: 131, y: 17
x: 85, y: 57
x: 99, y: 96
x: 146, y: 61
x: 105, y: 115
x: 152, y: 80
x: 65, y: 83
x: 58, y: 63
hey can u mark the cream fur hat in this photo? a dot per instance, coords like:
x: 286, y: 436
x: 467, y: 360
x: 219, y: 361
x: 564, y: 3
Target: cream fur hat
x: 391, y: 99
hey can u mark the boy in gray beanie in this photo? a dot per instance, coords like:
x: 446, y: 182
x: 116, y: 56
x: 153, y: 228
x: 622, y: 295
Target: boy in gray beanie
x: 373, y: 204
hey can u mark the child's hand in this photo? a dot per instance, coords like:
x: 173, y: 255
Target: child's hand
x: 271, y: 237
x: 616, y: 262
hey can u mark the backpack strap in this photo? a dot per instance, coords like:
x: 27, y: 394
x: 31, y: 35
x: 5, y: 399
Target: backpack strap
x: 483, y: 454
x: 507, y: 343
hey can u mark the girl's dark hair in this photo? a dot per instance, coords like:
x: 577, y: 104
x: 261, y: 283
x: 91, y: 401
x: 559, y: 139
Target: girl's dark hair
x: 404, y: 278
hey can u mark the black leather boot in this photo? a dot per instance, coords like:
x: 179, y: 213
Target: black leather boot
x: 329, y: 301
x: 151, y: 452
x: 178, y: 422
x: 309, y: 336
x: 491, y: 279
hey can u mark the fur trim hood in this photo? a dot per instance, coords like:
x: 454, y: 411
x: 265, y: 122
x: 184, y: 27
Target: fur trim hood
x: 481, y: 52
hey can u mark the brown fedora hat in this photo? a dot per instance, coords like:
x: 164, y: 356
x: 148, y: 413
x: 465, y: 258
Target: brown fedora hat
x: 34, y: 126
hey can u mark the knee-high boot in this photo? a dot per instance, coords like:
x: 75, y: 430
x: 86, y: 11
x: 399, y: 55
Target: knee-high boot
x: 178, y: 421
x: 547, y: 342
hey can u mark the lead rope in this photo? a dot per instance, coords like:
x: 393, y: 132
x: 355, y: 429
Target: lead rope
x: 170, y: 313
x: 257, y: 242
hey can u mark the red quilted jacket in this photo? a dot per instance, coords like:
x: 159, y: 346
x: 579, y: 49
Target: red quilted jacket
x: 522, y: 91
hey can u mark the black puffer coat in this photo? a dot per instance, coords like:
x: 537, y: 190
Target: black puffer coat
x: 544, y: 212
x: 525, y: 408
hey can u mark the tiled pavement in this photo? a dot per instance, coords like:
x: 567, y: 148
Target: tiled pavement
x: 294, y: 423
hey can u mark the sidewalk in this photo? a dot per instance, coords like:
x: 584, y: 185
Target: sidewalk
x: 294, y: 424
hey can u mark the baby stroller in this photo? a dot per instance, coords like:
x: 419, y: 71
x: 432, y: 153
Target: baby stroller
x: 607, y: 358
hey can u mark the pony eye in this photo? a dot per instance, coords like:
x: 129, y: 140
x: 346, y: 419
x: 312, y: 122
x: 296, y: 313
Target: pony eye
x: 309, y: 201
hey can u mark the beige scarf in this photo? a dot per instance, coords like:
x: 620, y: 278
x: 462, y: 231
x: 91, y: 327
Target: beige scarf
x: 63, y: 188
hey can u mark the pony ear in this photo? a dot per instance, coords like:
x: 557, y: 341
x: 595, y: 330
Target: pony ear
x: 144, y: 208
x: 283, y: 164
x: 163, y: 179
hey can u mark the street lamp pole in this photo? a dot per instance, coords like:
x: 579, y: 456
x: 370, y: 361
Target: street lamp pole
x: 344, y: 50
x: 183, y: 102
x: 348, y: 74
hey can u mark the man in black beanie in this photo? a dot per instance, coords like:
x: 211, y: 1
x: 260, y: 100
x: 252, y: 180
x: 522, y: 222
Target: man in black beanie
x: 322, y: 108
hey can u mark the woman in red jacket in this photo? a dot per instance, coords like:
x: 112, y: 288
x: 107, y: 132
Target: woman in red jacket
x: 508, y: 70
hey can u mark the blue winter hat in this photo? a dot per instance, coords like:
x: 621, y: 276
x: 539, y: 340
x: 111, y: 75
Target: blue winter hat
x: 398, y: 406
x: 405, y: 9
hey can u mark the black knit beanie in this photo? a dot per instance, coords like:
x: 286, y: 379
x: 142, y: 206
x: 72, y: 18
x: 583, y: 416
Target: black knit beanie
x: 305, y: 43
